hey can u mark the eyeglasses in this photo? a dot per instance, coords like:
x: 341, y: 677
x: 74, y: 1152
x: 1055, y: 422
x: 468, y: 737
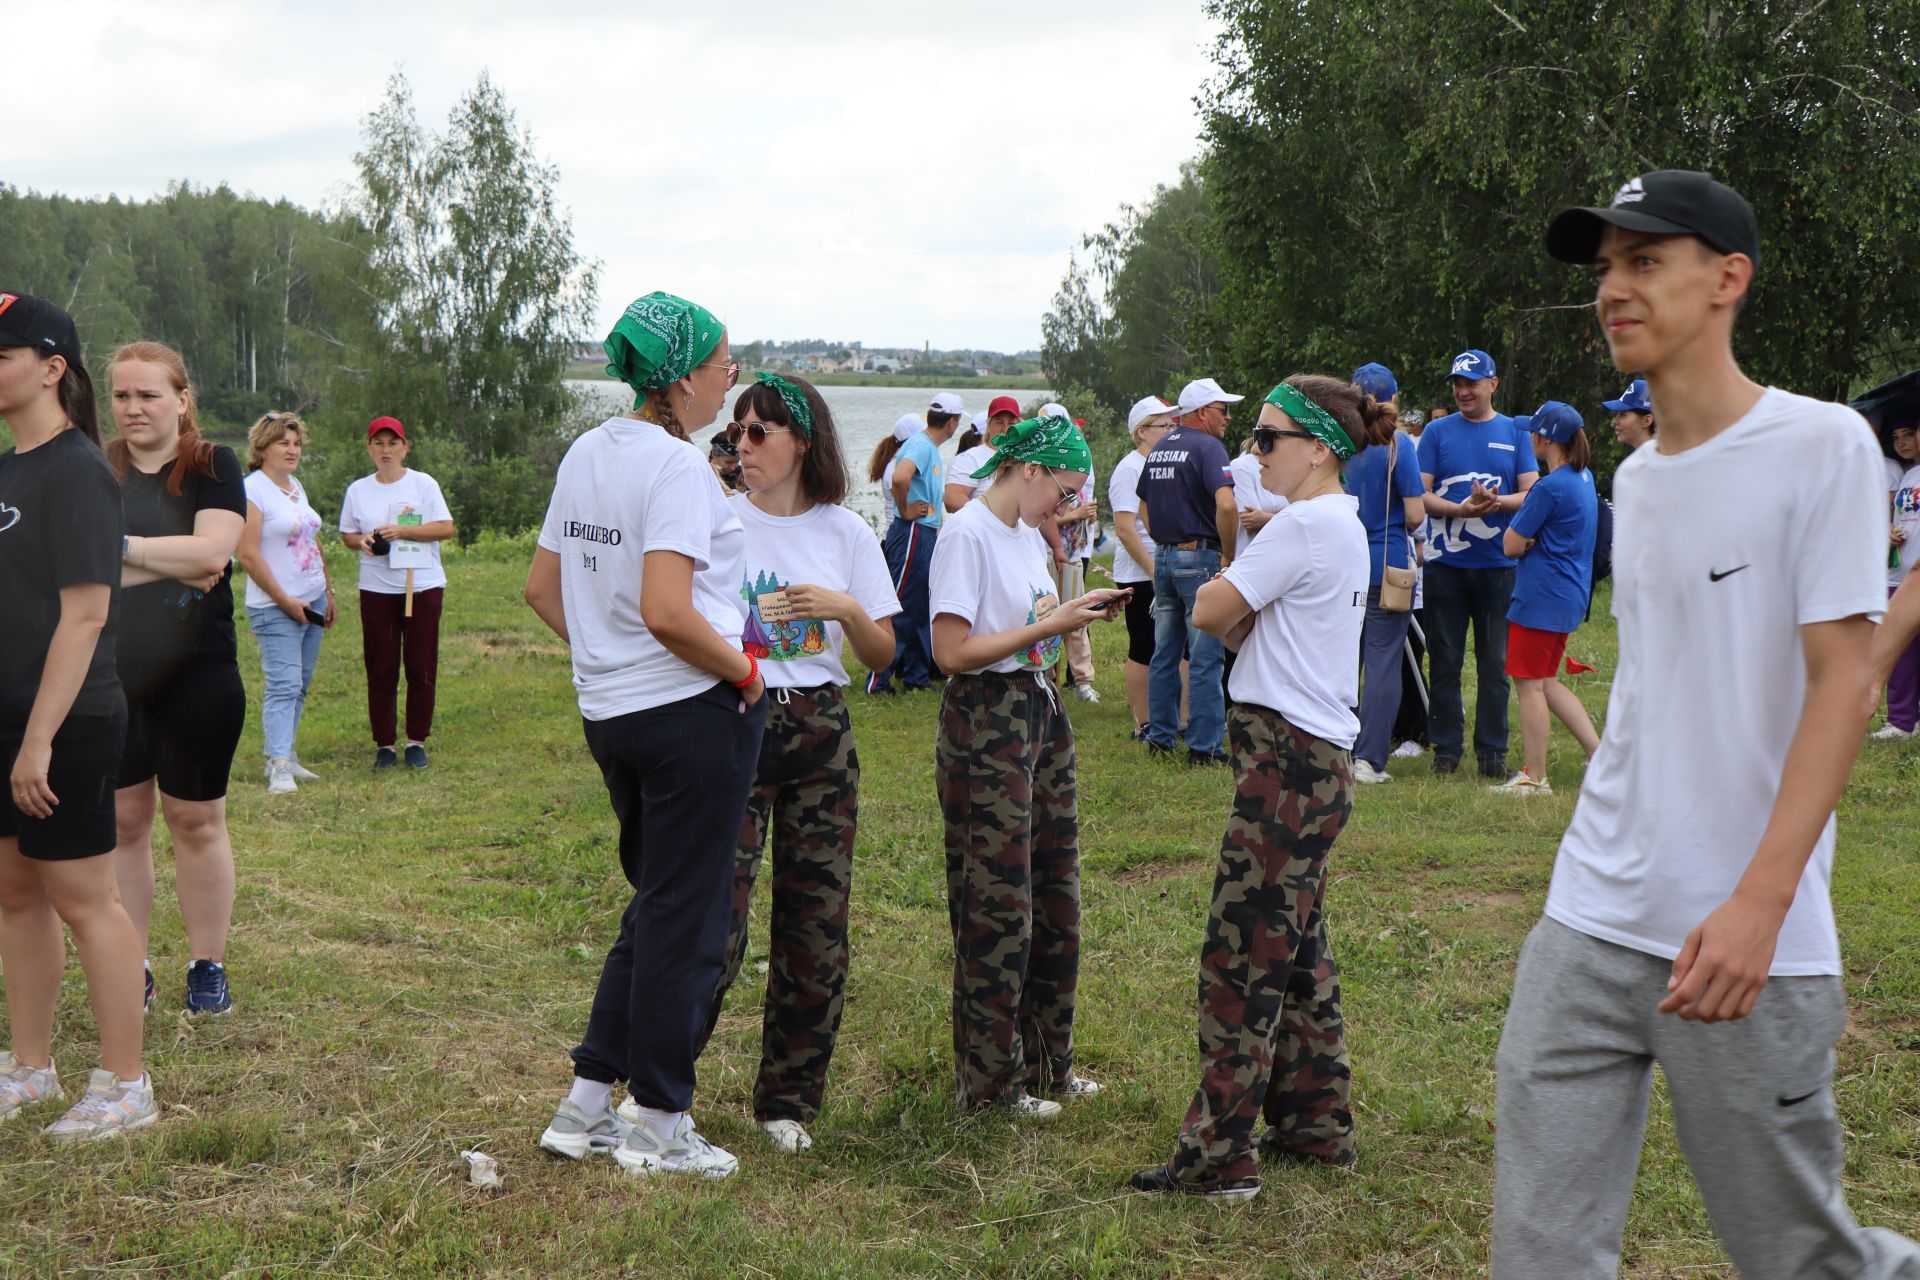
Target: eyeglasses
x: 731, y: 366
x: 755, y: 432
x: 1068, y: 497
x: 1266, y: 439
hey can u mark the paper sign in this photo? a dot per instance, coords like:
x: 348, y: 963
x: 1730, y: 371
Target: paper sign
x: 404, y: 554
x: 775, y: 607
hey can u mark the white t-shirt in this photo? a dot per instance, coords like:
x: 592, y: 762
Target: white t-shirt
x: 289, y: 541
x: 370, y: 504
x: 1895, y: 469
x: 960, y: 470
x: 1710, y: 602
x: 1306, y: 577
x: 1077, y: 537
x: 997, y: 578
x: 626, y: 488
x: 1123, y: 494
x: 1906, y: 515
x: 825, y: 546
x: 1250, y: 495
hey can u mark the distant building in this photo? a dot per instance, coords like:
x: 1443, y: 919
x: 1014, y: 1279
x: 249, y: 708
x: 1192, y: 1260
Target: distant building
x: 884, y: 364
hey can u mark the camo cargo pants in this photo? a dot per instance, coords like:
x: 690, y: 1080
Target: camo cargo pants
x: 806, y: 788
x: 1004, y: 758
x: 1270, y: 1028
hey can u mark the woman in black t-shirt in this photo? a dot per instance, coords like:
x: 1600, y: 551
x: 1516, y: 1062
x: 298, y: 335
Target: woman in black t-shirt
x: 185, y: 507
x: 62, y: 724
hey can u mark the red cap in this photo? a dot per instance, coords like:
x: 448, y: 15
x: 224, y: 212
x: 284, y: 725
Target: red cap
x: 378, y: 425
x: 1003, y: 404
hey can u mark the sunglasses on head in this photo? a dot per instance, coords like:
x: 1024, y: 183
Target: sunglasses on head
x: 1266, y: 439
x: 755, y: 432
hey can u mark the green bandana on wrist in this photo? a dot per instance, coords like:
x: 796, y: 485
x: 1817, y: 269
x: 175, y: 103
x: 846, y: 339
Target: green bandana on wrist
x: 792, y: 397
x: 1291, y: 401
x: 659, y: 340
x: 1045, y: 442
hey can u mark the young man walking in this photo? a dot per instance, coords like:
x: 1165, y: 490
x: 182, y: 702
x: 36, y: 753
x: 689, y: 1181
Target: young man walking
x: 1688, y: 922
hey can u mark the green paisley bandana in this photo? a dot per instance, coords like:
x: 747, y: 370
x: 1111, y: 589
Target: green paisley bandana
x: 790, y: 396
x: 1046, y: 442
x: 658, y: 341
x: 1291, y: 401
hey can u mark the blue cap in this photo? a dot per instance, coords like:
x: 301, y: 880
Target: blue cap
x: 1554, y: 420
x: 1523, y: 422
x: 1632, y: 400
x: 1473, y: 366
x: 1377, y: 381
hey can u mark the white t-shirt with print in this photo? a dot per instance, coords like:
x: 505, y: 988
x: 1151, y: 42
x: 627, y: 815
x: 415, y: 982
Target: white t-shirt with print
x: 960, y: 470
x: 289, y: 541
x: 997, y: 579
x: 1077, y: 538
x: 1306, y: 577
x: 1710, y: 602
x: 1123, y: 495
x: 1250, y: 495
x: 1906, y: 515
x: 370, y: 505
x: 824, y: 546
x: 626, y: 488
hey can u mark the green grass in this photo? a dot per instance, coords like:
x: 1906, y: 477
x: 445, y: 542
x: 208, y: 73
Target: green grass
x: 413, y: 955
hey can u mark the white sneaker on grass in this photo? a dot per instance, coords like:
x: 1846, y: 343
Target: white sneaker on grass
x: 644, y: 1154
x: 1524, y: 784
x: 1408, y: 750
x: 22, y: 1086
x: 1891, y: 732
x: 1086, y: 693
x: 1027, y: 1107
x: 280, y: 778
x: 1076, y: 1088
x: 108, y: 1109
x: 1367, y: 775
x: 789, y: 1135
x: 300, y: 772
x: 576, y: 1134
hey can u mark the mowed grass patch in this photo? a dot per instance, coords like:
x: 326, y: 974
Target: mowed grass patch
x: 414, y: 953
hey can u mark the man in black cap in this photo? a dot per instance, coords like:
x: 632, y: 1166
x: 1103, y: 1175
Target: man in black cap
x: 1688, y: 922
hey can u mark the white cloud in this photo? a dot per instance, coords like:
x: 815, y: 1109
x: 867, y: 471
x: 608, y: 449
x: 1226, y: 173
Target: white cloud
x: 888, y: 172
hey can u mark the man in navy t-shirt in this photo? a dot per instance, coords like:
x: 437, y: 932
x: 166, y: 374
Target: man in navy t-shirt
x: 1477, y: 470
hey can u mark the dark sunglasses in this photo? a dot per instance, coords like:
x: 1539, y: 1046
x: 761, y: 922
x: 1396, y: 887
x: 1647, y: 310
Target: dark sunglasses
x: 1265, y: 439
x: 755, y: 432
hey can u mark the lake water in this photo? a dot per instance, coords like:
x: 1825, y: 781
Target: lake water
x: 862, y: 415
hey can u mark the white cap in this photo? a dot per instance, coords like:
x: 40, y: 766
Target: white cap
x: 947, y: 402
x: 1144, y: 408
x: 1054, y: 409
x: 980, y: 420
x: 1201, y: 393
x: 908, y: 424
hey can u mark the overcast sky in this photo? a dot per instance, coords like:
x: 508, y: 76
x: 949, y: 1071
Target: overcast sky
x: 895, y: 173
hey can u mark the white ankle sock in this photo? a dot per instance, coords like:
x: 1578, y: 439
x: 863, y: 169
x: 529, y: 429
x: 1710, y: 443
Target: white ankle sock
x: 591, y: 1096
x: 143, y: 1085
x: 664, y: 1124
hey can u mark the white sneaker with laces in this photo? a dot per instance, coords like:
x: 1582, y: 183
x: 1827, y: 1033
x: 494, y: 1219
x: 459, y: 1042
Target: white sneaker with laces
x: 1891, y: 732
x: 21, y: 1086
x: 108, y: 1109
x: 575, y: 1134
x: 1368, y: 775
x: 644, y: 1154
x: 1409, y: 750
x: 280, y: 778
x: 1086, y: 693
x: 1076, y: 1088
x: 1028, y: 1107
x: 300, y: 772
x: 1524, y: 784
x: 789, y: 1135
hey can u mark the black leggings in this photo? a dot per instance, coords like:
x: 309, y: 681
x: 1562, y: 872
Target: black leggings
x: 184, y: 726
x: 1140, y: 622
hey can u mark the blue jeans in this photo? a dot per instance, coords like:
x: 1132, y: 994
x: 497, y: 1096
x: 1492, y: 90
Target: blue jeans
x: 908, y: 548
x: 1383, y: 643
x: 288, y: 652
x: 1455, y: 598
x: 1177, y: 577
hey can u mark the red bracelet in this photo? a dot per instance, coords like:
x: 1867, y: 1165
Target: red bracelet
x: 753, y: 672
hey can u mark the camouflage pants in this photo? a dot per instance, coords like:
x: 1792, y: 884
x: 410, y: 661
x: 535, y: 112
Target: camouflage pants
x: 806, y: 788
x: 1270, y: 1028
x: 1004, y: 759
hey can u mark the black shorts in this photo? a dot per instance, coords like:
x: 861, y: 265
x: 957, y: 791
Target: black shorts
x: 86, y: 753
x: 184, y: 729
x: 1139, y: 622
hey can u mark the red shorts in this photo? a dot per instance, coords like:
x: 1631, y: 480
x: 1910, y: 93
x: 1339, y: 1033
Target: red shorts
x: 1534, y: 655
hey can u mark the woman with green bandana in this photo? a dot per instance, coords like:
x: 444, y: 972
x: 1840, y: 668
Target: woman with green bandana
x: 638, y: 570
x: 1004, y: 757
x: 1270, y: 1031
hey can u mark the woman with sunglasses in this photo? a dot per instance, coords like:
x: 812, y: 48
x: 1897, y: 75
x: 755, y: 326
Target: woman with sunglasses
x: 1294, y: 604
x: 814, y: 576
x: 638, y: 570
x: 1004, y: 757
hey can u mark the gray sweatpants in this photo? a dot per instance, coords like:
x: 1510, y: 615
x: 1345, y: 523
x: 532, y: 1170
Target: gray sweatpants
x: 1752, y: 1106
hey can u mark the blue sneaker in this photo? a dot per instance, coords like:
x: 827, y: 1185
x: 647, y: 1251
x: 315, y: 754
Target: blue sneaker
x: 416, y: 756
x: 207, y: 988
x: 384, y: 758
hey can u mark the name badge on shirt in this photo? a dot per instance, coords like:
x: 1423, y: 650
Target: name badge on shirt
x: 1495, y: 444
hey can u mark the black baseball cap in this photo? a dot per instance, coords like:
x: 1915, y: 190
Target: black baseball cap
x: 1667, y: 202
x: 27, y: 321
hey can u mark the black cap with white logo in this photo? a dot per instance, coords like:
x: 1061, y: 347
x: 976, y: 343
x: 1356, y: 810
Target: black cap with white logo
x: 27, y: 321
x: 1668, y: 202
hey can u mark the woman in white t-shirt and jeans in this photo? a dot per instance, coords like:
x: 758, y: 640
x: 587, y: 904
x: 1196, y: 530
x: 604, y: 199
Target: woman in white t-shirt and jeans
x: 289, y: 597
x: 396, y: 519
x: 1271, y: 1036
x: 639, y: 569
x: 1005, y: 766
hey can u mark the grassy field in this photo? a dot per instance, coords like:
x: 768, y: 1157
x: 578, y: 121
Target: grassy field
x: 413, y: 955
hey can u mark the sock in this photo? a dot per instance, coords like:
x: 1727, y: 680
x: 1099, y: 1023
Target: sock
x: 143, y: 1085
x: 591, y: 1096
x: 664, y: 1124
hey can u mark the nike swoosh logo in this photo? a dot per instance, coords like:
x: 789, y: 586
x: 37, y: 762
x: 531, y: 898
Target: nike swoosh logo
x: 1794, y: 1102
x: 1713, y: 576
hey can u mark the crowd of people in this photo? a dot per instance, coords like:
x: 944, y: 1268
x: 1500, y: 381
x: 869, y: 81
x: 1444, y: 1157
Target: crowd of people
x: 1275, y: 604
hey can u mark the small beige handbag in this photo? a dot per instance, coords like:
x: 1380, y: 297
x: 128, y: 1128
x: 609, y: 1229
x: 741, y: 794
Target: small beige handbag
x: 1396, y: 585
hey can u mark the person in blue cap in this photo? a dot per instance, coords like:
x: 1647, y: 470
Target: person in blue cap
x: 1632, y: 414
x: 1552, y: 538
x: 1477, y: 470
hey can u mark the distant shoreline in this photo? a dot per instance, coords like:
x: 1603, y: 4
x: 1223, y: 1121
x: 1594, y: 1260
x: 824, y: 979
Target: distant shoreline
x: 585, y: 371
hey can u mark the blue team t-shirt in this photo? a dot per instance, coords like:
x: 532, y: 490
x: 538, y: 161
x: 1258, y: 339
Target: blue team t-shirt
x: 927, y: 483
x: 1456, y: 453
x: 1179, y: 483
x: 1386, y: 520
x: 1555, y: 579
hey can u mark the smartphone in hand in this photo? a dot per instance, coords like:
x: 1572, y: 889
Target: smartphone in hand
x: 314, y: 616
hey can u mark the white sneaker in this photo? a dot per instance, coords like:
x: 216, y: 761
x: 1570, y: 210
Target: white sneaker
x: 109, y: 1109
x: 1891, y: 731
x: 575, y: 1134
x: 643, y: 1154
x: 1086, y: 693
x: 300, y: 772
x: 789, y: 1135
x: 280, y: 778
x: 1408, y: 750
x: 1028, y: 1107
x: 21, y: 1086
x: 1368, y: 775
x: 1076, y: 1088
x: 1524, y: 784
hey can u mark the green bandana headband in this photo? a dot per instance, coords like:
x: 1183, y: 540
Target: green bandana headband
x: 658, y: 341
x: 790, y: 396
x: 1045, y: 442
x: 1291, y: 401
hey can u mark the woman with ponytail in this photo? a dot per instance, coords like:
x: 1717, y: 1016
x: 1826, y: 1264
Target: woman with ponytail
x: 1271, y: 1036
x: 185, y: 505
